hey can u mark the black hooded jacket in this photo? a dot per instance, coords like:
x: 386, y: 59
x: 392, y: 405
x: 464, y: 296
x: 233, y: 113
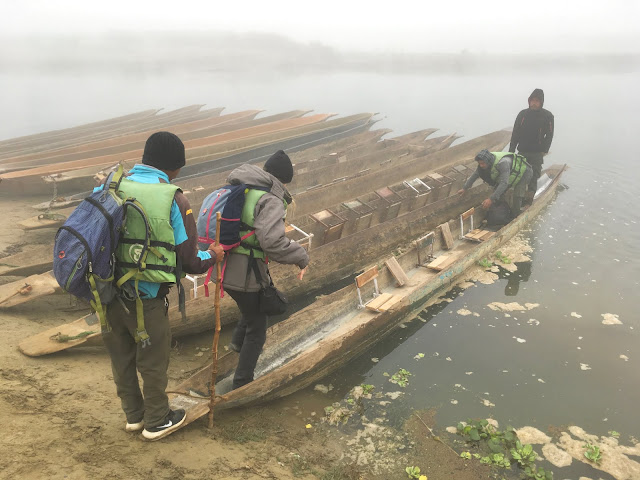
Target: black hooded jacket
x: 533, y: 129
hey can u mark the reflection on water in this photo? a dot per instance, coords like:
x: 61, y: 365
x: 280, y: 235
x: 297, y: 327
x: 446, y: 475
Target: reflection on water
x: 521, y: 275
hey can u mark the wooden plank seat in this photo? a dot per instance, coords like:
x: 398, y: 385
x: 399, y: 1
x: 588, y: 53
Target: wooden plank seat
x: 479, y: 235
x: 444, y: 261
x: 380, y: 302
x: 383, y: 302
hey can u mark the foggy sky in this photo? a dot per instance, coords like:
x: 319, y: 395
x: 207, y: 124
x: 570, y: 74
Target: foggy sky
x: 492, y: 26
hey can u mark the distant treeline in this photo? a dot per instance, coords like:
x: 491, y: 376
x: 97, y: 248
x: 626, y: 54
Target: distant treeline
x: 149, y: 53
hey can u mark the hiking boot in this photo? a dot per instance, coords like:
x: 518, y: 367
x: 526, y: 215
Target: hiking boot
x: 234, y: 347
x: 134, y: 426
x: 173, y: 421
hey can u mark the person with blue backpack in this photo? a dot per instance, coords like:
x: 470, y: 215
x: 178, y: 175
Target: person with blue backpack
x: 172, y: 249
x: 263, y: 240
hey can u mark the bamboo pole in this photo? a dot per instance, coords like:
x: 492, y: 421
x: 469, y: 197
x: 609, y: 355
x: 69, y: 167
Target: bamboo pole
x: 216, y: 335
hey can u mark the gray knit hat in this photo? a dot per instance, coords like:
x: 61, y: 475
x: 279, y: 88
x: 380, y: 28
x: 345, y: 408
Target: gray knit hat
x: 165, y: 151
x: 485, y: 155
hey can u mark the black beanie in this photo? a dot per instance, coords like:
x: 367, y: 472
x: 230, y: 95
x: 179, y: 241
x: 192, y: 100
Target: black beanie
x: 539, y: 94
x: 279, y: 165
x: 164, y: 151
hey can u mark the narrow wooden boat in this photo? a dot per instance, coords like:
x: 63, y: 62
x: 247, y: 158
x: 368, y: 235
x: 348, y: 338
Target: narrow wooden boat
x: 338, y: 327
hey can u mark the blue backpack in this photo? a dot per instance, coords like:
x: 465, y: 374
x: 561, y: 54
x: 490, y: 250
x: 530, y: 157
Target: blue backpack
x: 84, y: 250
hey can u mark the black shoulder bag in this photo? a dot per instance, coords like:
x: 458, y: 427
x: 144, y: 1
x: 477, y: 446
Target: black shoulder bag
x: 272, y: 301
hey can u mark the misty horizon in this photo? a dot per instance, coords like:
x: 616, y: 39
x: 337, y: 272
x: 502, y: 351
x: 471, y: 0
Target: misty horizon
x: 227, y: 51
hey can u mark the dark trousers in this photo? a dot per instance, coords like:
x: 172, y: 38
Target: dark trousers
x: 535, y: 159
x: 250, y: 334
x: 152, y: 361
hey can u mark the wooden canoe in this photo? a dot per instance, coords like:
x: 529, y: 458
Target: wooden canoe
x: 327, y: 334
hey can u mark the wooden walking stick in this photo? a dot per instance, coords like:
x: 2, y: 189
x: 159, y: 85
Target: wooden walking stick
x: 216, y: 335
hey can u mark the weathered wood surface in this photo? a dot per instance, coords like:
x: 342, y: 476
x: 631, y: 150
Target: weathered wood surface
x: 446, y: 235
x: 214, y: 144
x: 160, y: 121
x: 49, y: 220
x: 326, y: 170
x: 16, y: 144
x: 125, y: 143
x: 32, y: 260
x: 307, y: 202
x: 28, y: 289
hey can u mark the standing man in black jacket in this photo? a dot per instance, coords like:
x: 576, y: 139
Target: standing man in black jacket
x: 532, y: 136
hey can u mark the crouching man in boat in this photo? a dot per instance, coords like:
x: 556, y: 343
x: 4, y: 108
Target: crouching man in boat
x: 264, y: 211
x: 173, y: 235
x: 502, y: 170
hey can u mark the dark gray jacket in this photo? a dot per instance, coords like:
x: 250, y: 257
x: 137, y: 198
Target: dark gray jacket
x: 504, y: 171
x: 269, y: 225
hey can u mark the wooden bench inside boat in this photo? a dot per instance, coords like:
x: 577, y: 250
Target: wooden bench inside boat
x: 479, y: 235
x: 379, y: 302
x: 444, y: 261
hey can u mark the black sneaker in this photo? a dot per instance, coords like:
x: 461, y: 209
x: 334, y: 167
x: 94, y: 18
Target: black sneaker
x: 234, y: 347
x: 172, y: 422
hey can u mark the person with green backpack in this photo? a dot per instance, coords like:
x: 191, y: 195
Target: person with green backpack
x: 154, y: 249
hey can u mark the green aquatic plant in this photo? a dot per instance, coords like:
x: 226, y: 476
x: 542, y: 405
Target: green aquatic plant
x: 538, y: 473
x: 401, y: 377
x: 523, y: 454
x: 503, y: 447
x: 413, y: 472
x: 503, y: 258
x: 614, y: 434
x: 593, y: 453
x: 485, y: 263
x: 367, y: 389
